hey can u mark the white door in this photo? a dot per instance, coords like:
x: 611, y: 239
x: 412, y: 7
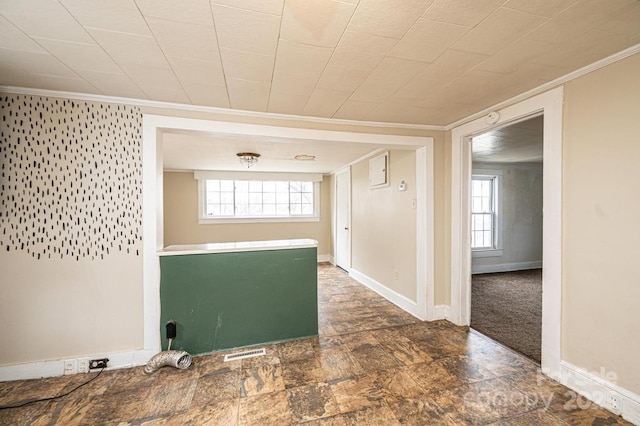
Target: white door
x: 343, y: 240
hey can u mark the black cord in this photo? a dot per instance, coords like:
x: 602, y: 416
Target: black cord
x: 33, y: 401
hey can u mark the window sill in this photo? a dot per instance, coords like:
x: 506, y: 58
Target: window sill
x: 229, y: 220
x: 486, y: 253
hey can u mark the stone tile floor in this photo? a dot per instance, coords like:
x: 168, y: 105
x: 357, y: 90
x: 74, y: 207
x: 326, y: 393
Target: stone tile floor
x: 373, y: 364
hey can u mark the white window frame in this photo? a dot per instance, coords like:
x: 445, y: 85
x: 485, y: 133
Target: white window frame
x: 204, y: 220
x: 497, y: 249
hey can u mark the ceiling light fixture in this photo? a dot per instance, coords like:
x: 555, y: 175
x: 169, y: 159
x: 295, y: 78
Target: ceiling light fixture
x: 305, y: 157
x: 248, y: 158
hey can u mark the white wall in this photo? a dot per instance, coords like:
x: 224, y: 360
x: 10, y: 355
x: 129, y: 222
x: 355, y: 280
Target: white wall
x: 70, y: 213
x: 383, y: 225
x: 521, y: 211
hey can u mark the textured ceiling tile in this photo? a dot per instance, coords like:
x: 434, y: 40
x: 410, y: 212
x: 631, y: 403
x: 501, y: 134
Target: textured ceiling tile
x: 341, y: 78
x: 426, y: 40
x: 293, y: 83
x: 130, y: 48
x: 577, y: 19
x: 462, y: 12
x: 207, y: 95
x: 120, y: 15
x: 113, y: 84
x: 301, y: 58
x: 81, y: 56
x: 246, y: 30
x: 12, y: 38
x: 166, y: 94
x: 145, y: 76
x: 285, y: 103
x: 315, y: 22
x: 248, y: 95
x: 354, y: 110
x: 197, y: 72
x: 584, y: 50
x: 51, y: 20
x: 517, y: 53
x: 377, y: 17
x: 324, y: 102
x: 387, y: 78
x: 66, y: 84
x: 36, y: 63
x: 247, y: 66
x: 273, y: 7
x: 626, y: 22
x: 497, y: 31
x: 361, y: 51
x: 449, y: 66
x: 14, y: 76
x: 397, y: 112
x: 546, y: 8
x: 192, y: 11
x: 195, y: 41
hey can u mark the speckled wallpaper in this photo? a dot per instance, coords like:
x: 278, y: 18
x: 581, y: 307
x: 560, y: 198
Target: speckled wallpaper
x: 70, y: 177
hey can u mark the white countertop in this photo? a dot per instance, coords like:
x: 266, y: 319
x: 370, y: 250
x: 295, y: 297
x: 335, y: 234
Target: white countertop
x: 240, y: 246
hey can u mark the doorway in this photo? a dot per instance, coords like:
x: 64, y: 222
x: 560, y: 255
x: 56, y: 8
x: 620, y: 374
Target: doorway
x: 343, y: 217
x: 506, y: 235
x: 550, y: 104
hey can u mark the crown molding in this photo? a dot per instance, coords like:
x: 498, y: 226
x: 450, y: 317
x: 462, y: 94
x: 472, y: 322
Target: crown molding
x: 550, y: 85
x: 213, y: 110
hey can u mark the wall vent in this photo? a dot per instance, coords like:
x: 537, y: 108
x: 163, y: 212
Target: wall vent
x: 245, y: 354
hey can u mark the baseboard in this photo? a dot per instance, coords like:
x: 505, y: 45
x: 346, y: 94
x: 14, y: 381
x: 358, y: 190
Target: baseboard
x: 41, y: 369
x: 598, y: 388
x: 396, y: 298
x: 324, y: 258
x: 441, y: 312
x: 505, y: 267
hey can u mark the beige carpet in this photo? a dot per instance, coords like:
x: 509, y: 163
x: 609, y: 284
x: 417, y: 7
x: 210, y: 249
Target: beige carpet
x: 507, y: 307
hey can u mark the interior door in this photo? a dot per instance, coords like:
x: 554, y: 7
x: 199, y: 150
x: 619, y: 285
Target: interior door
x: 343, y: 231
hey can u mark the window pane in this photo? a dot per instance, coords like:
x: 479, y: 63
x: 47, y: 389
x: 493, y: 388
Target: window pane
x: 255, y: 198
x: 269, y: 186
x: 307, y: 198
x: 296, y: 209
x: 307, y: 209
x: 255, y: 186
x: 306, y: 186
x: 242, y: 209
x: 269, y: 197
x: 226, y: 185
x: 255, y: 209
x: 269, y: 209
x: 476, y: 204
x: 226, y: 197
x: 295, y: 198
x: 486, y: 204
x: 282, y: 209
x: 226, y: 210
x: 242, y: 186
x: 282, y: 198
x: 294, y: 186
x: 282, y: 186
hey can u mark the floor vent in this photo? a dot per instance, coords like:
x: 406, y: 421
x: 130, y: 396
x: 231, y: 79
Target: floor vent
x: 245, y: 354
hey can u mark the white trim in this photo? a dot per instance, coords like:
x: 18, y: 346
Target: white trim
x: 550, y: 104
x: 152, y: 230
x: 550, y: 85
x: 487, y: 253
x: 324, y: 258
x: 425, y: 230
x: 505, y: 267
x: 441, y: 312
x: 55, y: 368
x: 392, y: 296
x: 344, y: 170
x: 596, y: 388
x: 257, y: 219
x: 212, y: 110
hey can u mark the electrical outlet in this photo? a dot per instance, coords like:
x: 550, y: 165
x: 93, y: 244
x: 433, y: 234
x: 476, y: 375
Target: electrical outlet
x: 70, y: 367
x: 98, y: 363
x: 83, y: 366
x: 614, y: 402
x: 396, y: 275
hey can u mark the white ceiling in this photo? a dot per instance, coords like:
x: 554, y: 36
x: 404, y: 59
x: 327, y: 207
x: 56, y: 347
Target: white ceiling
x: 410, y: 61
x: 202, y: 152
x: 518, y: 143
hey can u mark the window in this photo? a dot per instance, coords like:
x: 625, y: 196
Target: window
x: 259, y: 199
x: 485, y: 217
